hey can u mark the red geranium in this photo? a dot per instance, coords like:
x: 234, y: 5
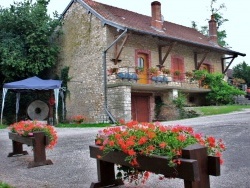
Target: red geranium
x: 153, y: 138
x: 26, y: 128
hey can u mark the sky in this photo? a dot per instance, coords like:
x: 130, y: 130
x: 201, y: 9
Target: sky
x: 183, y: 12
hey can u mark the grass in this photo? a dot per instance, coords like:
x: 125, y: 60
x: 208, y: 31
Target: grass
x: 214, y: 110
x: 4, y: 185
x: 65, y: 125
x: 62, y: 125
x: 203, y: 110
x: 3, y: 127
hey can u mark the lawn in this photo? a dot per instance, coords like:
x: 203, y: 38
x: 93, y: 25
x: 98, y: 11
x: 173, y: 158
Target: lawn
x: 213, y: 110
x: 203, y: 110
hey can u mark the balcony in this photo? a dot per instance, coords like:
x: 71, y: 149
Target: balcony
x: 129, y: 77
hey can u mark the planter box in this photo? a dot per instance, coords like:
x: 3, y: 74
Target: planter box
x: 194, y: 169
x: 38, y: 141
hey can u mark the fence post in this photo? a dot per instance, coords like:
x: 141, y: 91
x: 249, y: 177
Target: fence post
x: 198, y: 153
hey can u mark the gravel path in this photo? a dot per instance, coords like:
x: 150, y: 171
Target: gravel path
x: 73, y: 168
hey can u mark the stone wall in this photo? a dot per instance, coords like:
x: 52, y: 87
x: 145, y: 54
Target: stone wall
x: 119, y: 102
x: 127, y: 58
x: 149, y: 43
x: 82, y: 44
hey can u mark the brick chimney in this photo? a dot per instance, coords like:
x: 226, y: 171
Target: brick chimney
x: 156, y: 21
x: 213, y: 30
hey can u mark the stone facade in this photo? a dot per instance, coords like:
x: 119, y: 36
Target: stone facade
x: 119, y: 101
x: 83, y: 43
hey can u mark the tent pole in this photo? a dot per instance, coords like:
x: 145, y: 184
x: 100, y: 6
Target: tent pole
x: 3, y: 100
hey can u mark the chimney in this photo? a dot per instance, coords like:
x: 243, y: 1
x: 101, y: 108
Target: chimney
x: 213, y: 30
x: 156, y: 21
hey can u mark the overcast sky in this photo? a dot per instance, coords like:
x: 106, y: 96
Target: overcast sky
x: 182, y: 12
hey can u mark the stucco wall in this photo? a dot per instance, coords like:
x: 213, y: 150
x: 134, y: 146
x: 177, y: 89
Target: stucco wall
x: 82, y: 44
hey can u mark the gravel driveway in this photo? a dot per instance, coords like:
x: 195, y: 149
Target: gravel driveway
x: 73, y: 168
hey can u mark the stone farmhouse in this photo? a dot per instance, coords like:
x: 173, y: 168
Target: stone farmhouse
x: 123, y: 64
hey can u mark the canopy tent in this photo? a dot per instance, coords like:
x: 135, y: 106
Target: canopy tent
x: 33, y: 83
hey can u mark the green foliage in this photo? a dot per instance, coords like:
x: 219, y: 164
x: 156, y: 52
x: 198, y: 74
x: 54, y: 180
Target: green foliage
x: 26, y: 46
x: 180, y: 101
x: 221, y: 92
x: 82, y: 125
x: 3, y: 126
x: 214, y: 110
x: 200, y: 74
x: 221, y: 34
x: 4, y: 185
x: 242, y: 71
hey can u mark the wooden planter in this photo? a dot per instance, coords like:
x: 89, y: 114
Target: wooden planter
x: 38, y: 141
x: 194, y: 169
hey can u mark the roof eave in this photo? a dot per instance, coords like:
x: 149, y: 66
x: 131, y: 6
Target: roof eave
x: 120, y: 27
x: 92, y: 11
x: 219, y: 49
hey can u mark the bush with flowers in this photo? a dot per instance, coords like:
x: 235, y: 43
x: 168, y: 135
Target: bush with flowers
x: 78, y: 119
x: 26, y: 128
x: 152, y: 139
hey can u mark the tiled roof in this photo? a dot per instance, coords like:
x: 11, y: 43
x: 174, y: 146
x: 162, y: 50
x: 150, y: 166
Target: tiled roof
x: 142, y: 24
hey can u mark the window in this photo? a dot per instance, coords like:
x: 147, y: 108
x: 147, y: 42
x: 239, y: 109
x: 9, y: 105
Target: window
x: 140, y: 62
x: 177, y: 65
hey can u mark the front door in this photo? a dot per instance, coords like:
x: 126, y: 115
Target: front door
x: 140, y: 108
x: 142, y: 62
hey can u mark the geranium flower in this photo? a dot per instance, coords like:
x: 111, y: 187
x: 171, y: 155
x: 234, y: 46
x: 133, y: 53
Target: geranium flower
x: 153, y: 138
x: 26, y: 128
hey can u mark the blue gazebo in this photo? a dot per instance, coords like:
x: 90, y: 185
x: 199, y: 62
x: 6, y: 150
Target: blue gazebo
x: 33, y: 83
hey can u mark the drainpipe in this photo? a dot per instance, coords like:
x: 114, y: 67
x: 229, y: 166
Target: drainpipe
x: 105, y: 76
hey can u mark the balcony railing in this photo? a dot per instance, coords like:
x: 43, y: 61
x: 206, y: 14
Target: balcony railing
x: 129, y: 75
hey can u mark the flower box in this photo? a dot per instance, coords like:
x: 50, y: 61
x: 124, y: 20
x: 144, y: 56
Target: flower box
x: 38, y: 141
x: 194, y: 168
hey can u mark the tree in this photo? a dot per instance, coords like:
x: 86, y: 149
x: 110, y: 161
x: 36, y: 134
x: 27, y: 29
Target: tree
x: 26, y: 45
x: 242, y: 71
x: 221, y: 92
x: 221, y: 34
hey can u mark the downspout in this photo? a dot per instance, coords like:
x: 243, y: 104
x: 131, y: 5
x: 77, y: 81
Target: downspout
x: 105, y: 77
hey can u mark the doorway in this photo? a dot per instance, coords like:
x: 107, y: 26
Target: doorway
x: 140, y: 107
x: 142, y: 63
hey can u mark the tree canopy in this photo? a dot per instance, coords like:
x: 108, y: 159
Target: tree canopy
x: 221, y: 34
x: 26, y: 45
x: 242, y: 71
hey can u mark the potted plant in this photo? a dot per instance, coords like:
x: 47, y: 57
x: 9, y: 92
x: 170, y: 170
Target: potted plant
x: 27, y: 128
x: 78, y: 119
x: 147, y: 139
x: 138, y: 70
x: 189, y: 74
x: 153, y: 71
x: 177, y: 73
x: 165, y: 71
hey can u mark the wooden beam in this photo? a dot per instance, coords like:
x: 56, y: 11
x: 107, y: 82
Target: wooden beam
x: 160, y: 54
x: 229, y: 57
x: 224, y: 71
x: 202, y: 60
x: 168, y: 51
x: 195, y: 60
x: 117, y: 53
x: 162, y: 60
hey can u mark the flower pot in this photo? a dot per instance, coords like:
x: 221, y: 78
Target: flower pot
x: 195, y: 166
x: 38, y: 141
